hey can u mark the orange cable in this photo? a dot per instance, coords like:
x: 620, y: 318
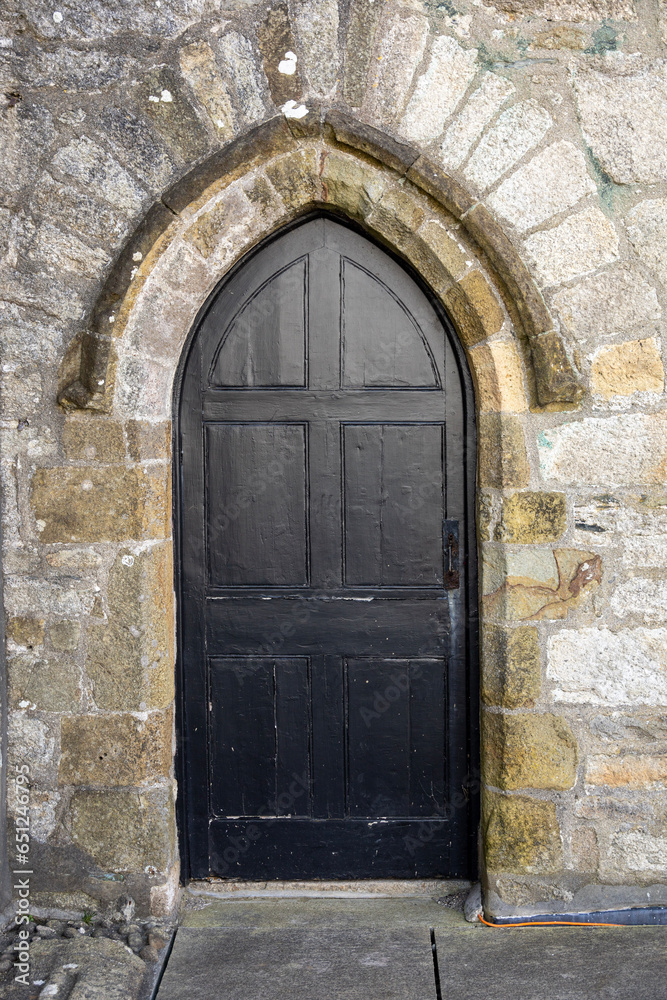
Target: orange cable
x: 551, y: 923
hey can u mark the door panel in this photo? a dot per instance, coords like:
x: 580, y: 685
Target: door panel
x: 327, y: 663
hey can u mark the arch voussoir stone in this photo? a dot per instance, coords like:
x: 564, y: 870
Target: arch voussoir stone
x: 360, y: 171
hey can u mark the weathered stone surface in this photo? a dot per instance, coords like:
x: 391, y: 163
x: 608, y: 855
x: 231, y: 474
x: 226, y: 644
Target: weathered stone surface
x: 163, y: 99
x: 130, y: 657
x: 643, y: 597
x: 49, y: 246
x: 511, y: 666
x: 554, y: 180
x: 624, y: 120
x: 242, y: 77
x: 79, y: 209
x: 361, y: 29
x: 317, y: 28
x: 466, y: 320
x: 496, y: 370
x: 25, y: 631
x: 473, y: 118
x: 275, y: 41
x: 69, y: 598
x: 124, y: 830
x: 94, y: 505
x: 436, y: 255
x: 147, y: 440
x: 582, y: 243
x: 502, y: 459
x: 96, y: 170
x: 400, y: 51
x: 606, y: 451
x: 26, y: 132
x: 116, y: 749
x: 560, y: 37
x: 35, y: 743
x: 210, y: 228
x: 517, y: 131
x: 647, y: 224
x: 528, y: 751
x: 520, y: 834
x: 397, y: 216
x: 570, y: 10
x: 137, y: 145
x: 93, y: 438
x: 51, y: 685
x: 351, y: 185
x: 620, y: 300
x: 143, y: 387
x: 556, y: 378
x: 82, y: 967
x: 622, y: 369
x: 296, y: 177
x: 627, y: 771
x: 599, y: 667
x: 200, y: 69
x: 537, y: 584
x: 532, y: 517
x: 439, y: 89
x: 485, y: 303
x: 64, y: 635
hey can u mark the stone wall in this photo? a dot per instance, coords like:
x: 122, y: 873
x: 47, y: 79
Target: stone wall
x: 516, y: 155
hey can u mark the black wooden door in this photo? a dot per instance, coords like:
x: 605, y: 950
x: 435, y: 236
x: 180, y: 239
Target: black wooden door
x: 325, y: 638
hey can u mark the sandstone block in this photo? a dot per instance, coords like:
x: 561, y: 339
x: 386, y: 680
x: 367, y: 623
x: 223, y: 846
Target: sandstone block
x: 521, y: 835
x: 148, y: 441
x: 439, y: 89
x: 200, y: 69
x: 528, y: 751
x: 584, y: 850
x: 643, y: 771
x: 484, y: 301
x: 570, y: 10
x: 617, y: 301
x: 397, y: 216
x: 477, y: 112
x: 400, y: 51
x: 275, y: 40
x: 600, y: 667
x: 501, y: 456
x: 116, y: 749
x: 51, y: 685
x: 555, y: 376
x: 296, y: 178
x: 130, y: 657
x: 537, y: 584
x: 606, y: 451
x: 624, y: 120
x: 96, y: 505
x: 93, y: 438
x: 552, y: 181
x: 450, y: 260
x: 580, y: 244
x: 518, y: 130
x: 622, y: 369
x: 351, y: 185
x: 143, y: 385
x: 498, y: 376
x: 209, y: 229
x: 124, y: 830
x: 511, y: 666
x: 532, y: 517
x: 25, y: 631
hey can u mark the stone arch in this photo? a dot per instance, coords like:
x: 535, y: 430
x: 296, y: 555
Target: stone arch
x: 212, y: 216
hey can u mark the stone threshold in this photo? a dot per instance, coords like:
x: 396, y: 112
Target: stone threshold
x: 362, y: 889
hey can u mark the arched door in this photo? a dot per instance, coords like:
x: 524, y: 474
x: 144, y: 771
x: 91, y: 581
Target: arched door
x: 324, y: 553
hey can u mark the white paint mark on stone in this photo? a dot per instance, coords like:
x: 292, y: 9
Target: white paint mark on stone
x: 57, y: 16
x: 137, y: 256
x: 294, y: 110
x: 86, y: 485
x: 71, y: 965
x: 128, y: 560
x: 166, y: 97
x: 154, y: 99
x: 24, y: 704
x: 288, y: 64
x: 51, y: 990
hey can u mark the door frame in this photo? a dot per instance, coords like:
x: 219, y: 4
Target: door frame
x: 473, y: 706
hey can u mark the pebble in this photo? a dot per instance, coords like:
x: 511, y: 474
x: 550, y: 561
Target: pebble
x: 149, y: 954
